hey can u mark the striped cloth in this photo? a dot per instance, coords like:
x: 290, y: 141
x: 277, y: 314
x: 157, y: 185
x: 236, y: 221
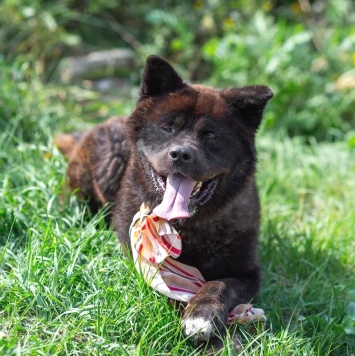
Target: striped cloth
x: 155, y: 247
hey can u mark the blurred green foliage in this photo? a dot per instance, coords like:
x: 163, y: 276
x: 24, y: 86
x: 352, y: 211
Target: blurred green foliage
x: 310, y: 73
x: 304, y: 50
x: 26, y: 105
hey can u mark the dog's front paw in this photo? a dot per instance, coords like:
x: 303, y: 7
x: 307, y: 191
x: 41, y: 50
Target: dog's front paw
x: 198, y: 328
x: 202, y: 320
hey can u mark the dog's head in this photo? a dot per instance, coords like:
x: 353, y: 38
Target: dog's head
x: 194, y: 140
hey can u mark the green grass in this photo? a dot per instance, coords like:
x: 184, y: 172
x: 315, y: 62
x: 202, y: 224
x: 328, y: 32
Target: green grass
x: 65, y: 287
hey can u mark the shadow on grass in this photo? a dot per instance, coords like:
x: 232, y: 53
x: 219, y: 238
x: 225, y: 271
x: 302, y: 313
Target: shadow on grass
x: 304, y: 288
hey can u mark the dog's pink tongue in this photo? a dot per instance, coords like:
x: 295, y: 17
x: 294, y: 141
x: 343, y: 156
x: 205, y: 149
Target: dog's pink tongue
x: 176, y: 198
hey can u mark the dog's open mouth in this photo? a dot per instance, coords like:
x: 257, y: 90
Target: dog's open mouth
x: 180, y: 192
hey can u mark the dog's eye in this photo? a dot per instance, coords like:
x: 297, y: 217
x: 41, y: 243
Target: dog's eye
x: 167, y: 129
x: 210, y: 136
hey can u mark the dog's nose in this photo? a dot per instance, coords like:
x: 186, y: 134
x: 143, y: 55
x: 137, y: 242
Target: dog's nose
x: 181, y: 153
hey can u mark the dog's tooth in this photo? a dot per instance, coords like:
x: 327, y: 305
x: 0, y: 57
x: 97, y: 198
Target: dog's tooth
x: 197, y: 188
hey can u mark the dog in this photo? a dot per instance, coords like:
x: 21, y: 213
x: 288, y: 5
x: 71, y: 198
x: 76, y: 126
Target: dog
x: 189, y: 152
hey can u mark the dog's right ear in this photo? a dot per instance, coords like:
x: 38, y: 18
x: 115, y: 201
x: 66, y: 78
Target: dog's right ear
x: 249, y: 102
x: 159, y: 78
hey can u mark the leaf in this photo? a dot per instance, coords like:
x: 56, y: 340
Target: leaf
x: 350, y: 330
x: 351, y: 142
x: 351, y: 309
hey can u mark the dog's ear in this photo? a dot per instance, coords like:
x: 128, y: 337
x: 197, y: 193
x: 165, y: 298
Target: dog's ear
x: 159, y: 78
x: 249, y: 102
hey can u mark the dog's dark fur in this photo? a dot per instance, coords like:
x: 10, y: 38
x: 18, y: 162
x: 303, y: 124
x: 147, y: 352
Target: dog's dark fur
x: 213, y: 133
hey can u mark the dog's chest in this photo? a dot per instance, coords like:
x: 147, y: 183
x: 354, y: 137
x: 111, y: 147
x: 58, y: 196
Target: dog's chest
x: 205, y: 248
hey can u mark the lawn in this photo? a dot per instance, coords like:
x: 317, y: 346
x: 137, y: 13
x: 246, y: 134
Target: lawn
x: 65, y: 287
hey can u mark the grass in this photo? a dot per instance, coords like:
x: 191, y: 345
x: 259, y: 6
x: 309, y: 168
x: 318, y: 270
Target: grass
x: 65, y: 287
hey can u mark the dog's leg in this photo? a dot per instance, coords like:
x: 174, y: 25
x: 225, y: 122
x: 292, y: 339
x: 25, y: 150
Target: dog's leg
x: 207, y: 312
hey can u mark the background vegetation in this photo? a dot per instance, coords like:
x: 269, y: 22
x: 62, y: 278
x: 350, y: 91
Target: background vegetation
x: 64, y: 286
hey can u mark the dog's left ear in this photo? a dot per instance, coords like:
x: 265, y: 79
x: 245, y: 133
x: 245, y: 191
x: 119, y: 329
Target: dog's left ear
x: 159, y: 78
x: 249, y: 102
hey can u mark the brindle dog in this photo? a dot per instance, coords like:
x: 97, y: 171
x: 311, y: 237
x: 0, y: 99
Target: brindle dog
x: 189, y: 133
